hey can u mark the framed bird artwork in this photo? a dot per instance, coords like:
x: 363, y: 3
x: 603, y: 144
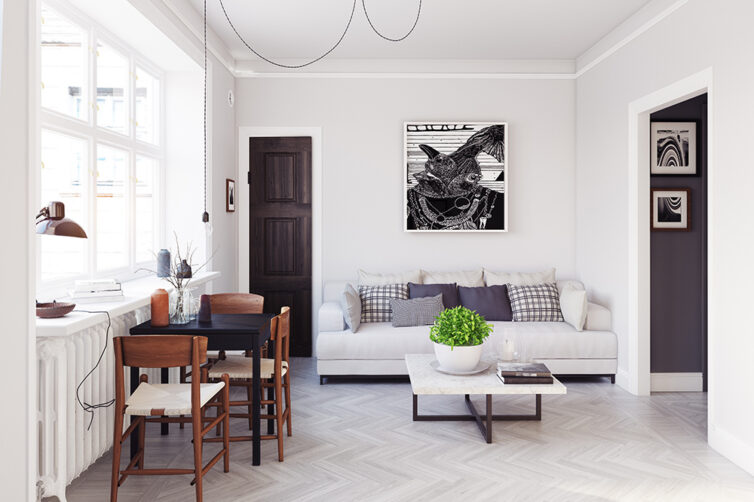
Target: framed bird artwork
x: 456, y: 177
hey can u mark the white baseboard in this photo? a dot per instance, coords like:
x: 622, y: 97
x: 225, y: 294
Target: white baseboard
x: 621, y: 379
x: 676, y: 382
x: 732, y: 448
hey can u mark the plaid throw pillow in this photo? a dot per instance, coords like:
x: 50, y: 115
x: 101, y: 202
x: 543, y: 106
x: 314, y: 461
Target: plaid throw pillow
x: 535, y: 303
x: 375, y: 301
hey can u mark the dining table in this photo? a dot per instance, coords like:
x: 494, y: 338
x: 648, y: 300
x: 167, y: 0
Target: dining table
x: 224, y: 332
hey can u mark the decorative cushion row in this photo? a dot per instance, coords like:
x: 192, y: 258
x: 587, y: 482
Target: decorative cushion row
x: 468, y: 278
x: 350, y: 303
x: 491, y: 302
x: 150, y: 399
x: 375, y: 301
x: 449, y: 292
x: 242, y: 367
x: 535, y: 303
x: 417, y: 311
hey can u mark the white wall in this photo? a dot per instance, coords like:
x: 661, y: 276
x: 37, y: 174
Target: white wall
x: 699, y: 35
x: 17, y: 268
x: 362, y: 186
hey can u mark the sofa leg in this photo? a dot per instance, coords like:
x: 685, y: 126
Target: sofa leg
x: 612, y: 378
x: 321, y: 380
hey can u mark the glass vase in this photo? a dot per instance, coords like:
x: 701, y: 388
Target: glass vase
x: 180, y: 306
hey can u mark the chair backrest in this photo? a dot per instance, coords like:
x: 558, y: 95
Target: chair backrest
x: 280, y: 329
x: 236, y: 303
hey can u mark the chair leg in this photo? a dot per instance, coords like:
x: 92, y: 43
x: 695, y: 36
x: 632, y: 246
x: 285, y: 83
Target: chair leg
x: 117, y: 441
x: 142, y: 433
x: 249, y: 398
x: 197, y: 425
x: 183, y: 380
x: 288, y: 402
x: 226, y: 423
x: 279, y: 415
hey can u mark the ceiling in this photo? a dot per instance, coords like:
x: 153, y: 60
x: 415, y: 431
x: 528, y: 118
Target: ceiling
x: 295, y: 30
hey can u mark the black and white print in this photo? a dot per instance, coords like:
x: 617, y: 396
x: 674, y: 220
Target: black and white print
x: 230, y: 195
x: 670, y: 209
x: 673, y: 148
x: 456, y: 177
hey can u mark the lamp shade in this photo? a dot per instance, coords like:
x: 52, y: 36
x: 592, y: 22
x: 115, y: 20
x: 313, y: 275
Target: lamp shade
x: 51, y: 220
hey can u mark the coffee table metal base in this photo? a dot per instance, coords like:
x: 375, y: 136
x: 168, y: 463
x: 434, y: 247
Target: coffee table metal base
x: 483, y: 421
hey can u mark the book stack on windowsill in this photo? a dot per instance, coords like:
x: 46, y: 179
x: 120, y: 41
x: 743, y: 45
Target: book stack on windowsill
x: 523, y: 373
x: 96, y: 291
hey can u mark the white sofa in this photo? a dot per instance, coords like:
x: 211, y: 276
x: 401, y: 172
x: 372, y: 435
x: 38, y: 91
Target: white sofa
x: 379, y: 348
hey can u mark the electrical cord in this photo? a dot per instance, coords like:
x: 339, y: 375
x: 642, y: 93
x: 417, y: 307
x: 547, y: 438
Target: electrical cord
x: 404, y: 37
x: 91, y: 408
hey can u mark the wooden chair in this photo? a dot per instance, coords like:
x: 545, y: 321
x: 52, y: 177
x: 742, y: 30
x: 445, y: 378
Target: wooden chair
x: 275, y: 375
x: 156, y: 400
x: 233, y: 303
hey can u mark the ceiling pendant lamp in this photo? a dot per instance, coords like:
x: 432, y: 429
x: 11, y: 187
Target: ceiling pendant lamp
x: 205, y: 214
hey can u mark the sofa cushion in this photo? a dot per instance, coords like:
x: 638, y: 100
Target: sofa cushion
x: 543, y: 340
x: 416, y: 312
x: 535, y: 303
x: 490, y: 302
x: 573, y: 305
x: 375, y: 301
x: 519, y: 278
x: 469, y: 278
x: 372, y: 279
x: 350, y: 302
x: 449, y: 292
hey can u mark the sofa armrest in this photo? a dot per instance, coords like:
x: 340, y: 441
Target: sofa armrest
x: 598, y: 318
x: 331, y: 317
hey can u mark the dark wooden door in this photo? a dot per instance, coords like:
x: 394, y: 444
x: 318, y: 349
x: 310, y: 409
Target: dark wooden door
x: 280, y: 175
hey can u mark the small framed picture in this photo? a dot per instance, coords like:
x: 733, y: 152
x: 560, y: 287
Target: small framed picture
x: 670, y: 209
x: 673, y: 148
x: 230, y: 196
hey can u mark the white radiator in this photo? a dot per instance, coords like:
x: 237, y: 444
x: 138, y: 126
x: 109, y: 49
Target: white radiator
x: 66, y: 447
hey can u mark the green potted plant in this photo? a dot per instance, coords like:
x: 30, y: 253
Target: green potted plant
x: 458, y: 335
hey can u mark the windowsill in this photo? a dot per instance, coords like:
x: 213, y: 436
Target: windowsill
x: 137, y: 294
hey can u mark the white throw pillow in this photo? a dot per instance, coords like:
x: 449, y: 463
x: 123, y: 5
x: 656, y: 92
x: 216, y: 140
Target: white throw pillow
x: 370, y: 279
x: 519, y: 278
x: 350, y: 303
x: 573, y: 305
x: 466, y: 279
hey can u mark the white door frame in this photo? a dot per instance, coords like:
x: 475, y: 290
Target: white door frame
x: 639, y: 224
x: 242, y: 206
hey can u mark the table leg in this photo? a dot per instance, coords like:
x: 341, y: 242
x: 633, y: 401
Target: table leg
x: 271, y: 411
x: 164, y: 428
x: 488, y: 431
x: 256, y: 394
x: 134, y: 437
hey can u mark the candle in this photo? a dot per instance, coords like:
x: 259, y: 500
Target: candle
x: 508, y: 350
x: 160, y: 308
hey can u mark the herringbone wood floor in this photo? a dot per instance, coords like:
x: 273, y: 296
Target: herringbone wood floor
x: 356, y: 441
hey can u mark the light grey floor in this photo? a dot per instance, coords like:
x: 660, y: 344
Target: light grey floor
x: 356, y: 441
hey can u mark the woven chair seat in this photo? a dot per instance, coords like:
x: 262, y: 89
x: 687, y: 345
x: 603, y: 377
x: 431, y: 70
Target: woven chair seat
x: 168, y: 398
x: 242, y: 367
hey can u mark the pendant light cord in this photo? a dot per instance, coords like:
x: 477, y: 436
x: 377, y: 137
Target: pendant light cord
x: 205, y: 216
x: 282, y: 65
x: 404, y: 37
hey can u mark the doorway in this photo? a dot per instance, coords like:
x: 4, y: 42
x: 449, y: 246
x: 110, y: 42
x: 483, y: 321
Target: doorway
x: 280, y: 230
x: 678, y: 252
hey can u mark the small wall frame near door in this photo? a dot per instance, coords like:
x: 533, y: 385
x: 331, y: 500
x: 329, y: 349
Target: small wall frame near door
x: 243, y: 199
x: 639, y: 307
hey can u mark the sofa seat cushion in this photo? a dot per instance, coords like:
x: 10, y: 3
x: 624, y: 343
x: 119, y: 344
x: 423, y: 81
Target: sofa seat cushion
x: 376, y: 340
x: 542, y: 340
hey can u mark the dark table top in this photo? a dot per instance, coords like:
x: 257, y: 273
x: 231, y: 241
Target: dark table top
x: 225, y: 332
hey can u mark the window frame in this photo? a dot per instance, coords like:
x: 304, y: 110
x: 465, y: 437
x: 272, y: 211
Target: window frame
x: 94, y: 135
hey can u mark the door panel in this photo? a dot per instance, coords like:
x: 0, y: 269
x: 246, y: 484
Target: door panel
x: 280, y: 231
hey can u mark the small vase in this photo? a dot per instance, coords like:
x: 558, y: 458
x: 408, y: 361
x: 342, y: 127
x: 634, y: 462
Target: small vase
x: 163, y: 263
x: 184, y: 270
x: 180, y: 306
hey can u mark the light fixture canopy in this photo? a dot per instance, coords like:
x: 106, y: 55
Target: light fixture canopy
x: 51, y: 220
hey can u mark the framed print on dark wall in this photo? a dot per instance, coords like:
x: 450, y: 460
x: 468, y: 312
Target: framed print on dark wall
x: 671, y: 209
x: 230, y: 196
x: 455, y: 177
x: 673, y: 146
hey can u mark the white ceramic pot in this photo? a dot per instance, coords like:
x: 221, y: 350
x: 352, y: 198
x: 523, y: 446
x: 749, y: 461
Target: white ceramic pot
x: 460, y: 359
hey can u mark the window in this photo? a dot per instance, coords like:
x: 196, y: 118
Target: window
x: 105, y: 165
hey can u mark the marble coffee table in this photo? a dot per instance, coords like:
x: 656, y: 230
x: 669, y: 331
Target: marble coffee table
x: 425, y: 380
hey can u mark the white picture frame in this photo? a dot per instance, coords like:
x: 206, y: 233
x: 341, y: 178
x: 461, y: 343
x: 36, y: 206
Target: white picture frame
x: 671, y: 209
x: 474, y: 196
x: 673, y: 148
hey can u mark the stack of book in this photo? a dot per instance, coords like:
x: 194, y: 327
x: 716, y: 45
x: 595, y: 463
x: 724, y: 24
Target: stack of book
x: 96, y: 291
x: 523, y: 373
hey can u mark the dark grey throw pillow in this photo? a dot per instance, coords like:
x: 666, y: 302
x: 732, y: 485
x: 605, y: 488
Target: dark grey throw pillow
x: 449, y: 292
x: 490, y: 302
x: 416, y: 312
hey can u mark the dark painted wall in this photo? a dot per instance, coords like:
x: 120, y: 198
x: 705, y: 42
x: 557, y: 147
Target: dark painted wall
x: 679, y: 271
